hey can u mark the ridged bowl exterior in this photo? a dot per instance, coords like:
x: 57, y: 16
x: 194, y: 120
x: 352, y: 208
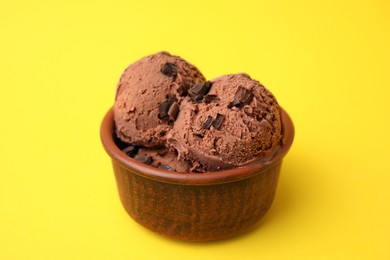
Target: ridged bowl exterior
x: 195, y: 206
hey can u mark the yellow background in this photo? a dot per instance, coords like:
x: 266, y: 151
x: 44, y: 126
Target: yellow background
x: 328, y: 63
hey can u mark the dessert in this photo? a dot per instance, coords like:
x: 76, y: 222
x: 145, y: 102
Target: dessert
x: 167, y: 115
x: 143, y: 87
x: 236, y: 122
x: 194, y: 159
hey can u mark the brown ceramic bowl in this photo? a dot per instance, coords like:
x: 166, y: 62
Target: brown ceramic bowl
x: 195, y: 206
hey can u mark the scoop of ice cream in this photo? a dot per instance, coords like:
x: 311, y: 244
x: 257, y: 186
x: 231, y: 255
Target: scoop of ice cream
x: 235, y: 120
x: 148, y: 96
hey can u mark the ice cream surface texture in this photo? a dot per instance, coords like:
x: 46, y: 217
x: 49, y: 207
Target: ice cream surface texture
x: 176, y: 120
x: 240, y: 122
x: 142, y: 87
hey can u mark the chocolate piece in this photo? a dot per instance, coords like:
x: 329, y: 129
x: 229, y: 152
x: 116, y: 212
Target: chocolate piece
x: 173, y: 111
x: 218, y: 121
x: 121, y: 145
x: 201, y: 88
x: 171, y: 99
x: 169, y: 69
x: 183, y: 88
x: 235, y: 103
x: 164, y: 108
x: 210, y: 98
x: 130, y: 151
x: 197, y: 98
x: 166, y: 167
x: 242, y: 97
x: 207, y: 123
x: 144, y: 159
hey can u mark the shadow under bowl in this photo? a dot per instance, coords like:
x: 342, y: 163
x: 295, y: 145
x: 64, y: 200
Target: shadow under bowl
x: 195, y: 206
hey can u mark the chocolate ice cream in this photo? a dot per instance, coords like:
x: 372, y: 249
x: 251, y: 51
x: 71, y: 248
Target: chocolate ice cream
x: 172, y: 118
x: 147, y: 95
x: 235, y: 122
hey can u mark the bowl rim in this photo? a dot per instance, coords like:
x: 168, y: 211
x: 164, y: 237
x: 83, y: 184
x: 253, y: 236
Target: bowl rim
x: 190, y: 178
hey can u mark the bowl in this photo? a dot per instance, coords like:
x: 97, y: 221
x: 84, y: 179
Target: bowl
x: 195, y: 206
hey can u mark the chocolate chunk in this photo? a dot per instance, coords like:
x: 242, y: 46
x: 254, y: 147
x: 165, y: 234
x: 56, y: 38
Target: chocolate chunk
x: 201, y: 88
x: 169, y: 69
x: 210, y: 98
x: 242, y: 97
x: 171, y: 99
x: 166, y: 167
x: 197, y: 98
x: 183, y: 88
x: 144, y: 159
x: 130, y: 151
x: 163, y: 110
x: 218, y: 121
x: 235, y: 103
x: 208, y: 85
x: 207, y: 123
x: 165, y: 107
x: 121, y: 145
x: 173, y: 111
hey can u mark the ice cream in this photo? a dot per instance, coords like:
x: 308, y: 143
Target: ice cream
x: 172, y: 118
x: 237, y: 121
x: 143, y: 87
